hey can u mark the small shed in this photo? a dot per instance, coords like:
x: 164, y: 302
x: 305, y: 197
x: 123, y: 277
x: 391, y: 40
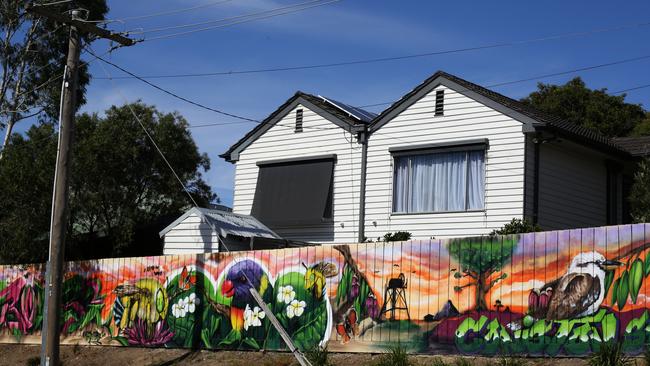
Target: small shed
x: 199, y: 230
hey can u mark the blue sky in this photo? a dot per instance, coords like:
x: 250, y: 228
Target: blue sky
x: 354, y: 29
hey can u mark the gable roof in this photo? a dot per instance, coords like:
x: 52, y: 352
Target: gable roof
x: 531, y: 117
x: 227, y: 223
x: 343, y: 115
x: 637, y: 146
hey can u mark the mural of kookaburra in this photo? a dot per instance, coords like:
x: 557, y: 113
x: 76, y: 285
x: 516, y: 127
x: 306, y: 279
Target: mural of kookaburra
x: 578, y: 293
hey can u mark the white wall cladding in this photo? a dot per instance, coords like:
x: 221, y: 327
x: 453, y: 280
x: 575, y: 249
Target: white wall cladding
x: 190, y: 236
x: 464, y: 119
x: 319, y: 137
x: 572, y: 187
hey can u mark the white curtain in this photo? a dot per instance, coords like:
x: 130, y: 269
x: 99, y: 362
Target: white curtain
x: 439, y: 182
x: 400, y: 187
x: 476, y: 186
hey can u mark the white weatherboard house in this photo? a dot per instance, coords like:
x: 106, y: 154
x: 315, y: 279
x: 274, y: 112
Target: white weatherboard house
x: 449, y: 159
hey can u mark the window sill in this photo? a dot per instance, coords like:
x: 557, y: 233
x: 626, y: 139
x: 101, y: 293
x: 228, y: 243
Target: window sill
x: 434, y: 212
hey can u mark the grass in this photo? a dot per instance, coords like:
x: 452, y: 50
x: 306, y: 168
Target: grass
x: 396, y: 356
x: 609, y: 354
x: 462, y: 362
x: 509, y: 361
x: 318, y: 356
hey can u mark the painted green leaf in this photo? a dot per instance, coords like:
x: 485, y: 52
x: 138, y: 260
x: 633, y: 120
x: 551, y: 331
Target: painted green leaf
x: 231, y: 338
x: 121, y: 340
x: 647, y: 264
x: 615, y: 291
x: 251, y: 342
x: 609, y: 277
x: 635, y: 279
x: 623, y: 290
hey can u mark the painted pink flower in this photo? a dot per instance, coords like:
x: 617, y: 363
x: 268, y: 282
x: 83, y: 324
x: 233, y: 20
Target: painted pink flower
x: 148, y: 335
x: 19, y: 308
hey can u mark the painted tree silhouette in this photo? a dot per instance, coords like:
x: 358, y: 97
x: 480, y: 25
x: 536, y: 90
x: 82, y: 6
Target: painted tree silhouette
x: 480, y: 259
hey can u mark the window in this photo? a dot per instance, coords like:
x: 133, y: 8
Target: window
x: 293, y: 192
x: 298, y: 120
x: 440, y: 102
x: 439, y: 181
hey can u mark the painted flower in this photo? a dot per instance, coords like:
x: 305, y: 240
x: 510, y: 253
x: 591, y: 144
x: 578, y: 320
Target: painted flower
x: 286, y: 294
x: 372, y: 306
x: 191, y: 302
x: 18, y: 308
x: 179, y: 309
x: 253, y: 318
x: 354, y: 288
x: 296, y: 308
x: 141, y: 334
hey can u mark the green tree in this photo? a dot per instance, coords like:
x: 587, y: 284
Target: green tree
x: 119, y: 184
x: 640, y: 193
x: 32, y: 52
x: 480, y: 260
x: 595, y: 109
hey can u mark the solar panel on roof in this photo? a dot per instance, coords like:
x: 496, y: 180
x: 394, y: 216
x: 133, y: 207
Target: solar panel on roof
x: 360, y: 114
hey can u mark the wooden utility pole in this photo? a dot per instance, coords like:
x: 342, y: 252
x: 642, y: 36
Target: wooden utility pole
x: 54, y: 276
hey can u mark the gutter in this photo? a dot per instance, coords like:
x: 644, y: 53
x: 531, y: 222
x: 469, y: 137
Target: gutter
x: 362, y: 139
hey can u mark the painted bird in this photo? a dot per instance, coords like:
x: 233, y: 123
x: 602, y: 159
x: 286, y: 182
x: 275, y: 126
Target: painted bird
x: 315, y: 277
x: 241, y: 277
x: 146, y: 299
x: 578, y: 293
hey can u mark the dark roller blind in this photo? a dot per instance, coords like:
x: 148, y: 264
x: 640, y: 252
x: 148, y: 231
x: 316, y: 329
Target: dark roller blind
x: 294, y: 193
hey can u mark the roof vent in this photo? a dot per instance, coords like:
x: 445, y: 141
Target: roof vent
x: 440, y: 102
x: 298, y: 120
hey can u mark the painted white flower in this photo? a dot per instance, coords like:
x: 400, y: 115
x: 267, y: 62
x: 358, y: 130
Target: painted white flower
x: 179, y: 309
x: 286, y: 294
x: 191, y: 302
x: 253, y: 318
x: 296, y: 308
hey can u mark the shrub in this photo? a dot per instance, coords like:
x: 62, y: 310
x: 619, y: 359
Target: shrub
x: 396, y: 356
x: 318, y: 356
x: 640, y: 193
x: 397, y: 236
x: 33, y: 361
x: 517, y: 226
x: 609, y: 354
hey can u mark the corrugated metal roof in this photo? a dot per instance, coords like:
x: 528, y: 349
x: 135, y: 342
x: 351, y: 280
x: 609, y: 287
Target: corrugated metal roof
x: 228, y: 223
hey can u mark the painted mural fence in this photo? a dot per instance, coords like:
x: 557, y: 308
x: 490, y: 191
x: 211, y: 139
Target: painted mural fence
x: 548, y: 293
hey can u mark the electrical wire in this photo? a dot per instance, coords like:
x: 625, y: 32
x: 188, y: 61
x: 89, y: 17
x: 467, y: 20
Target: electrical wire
x: 394, y: 58
x: 296, y: 352
x: 263, y: 12
x: 631, y: 89
x: 544, y: 76
x: 172, y: 12
x: 172, y: 93
x: 292, y: 10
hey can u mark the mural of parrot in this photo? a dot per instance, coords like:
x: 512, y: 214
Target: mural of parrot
x: 241, y: 277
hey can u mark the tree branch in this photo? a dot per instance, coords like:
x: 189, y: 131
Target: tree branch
x: 633, y: 251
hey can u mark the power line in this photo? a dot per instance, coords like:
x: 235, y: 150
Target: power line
x: 172, y: 93
x: 631, y: 89
x: 177, y: 11
x: 273, y: 13
x: 264, y: 12
x: 295, y: 351
x: 393, y: 58
x: 560, y: 73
